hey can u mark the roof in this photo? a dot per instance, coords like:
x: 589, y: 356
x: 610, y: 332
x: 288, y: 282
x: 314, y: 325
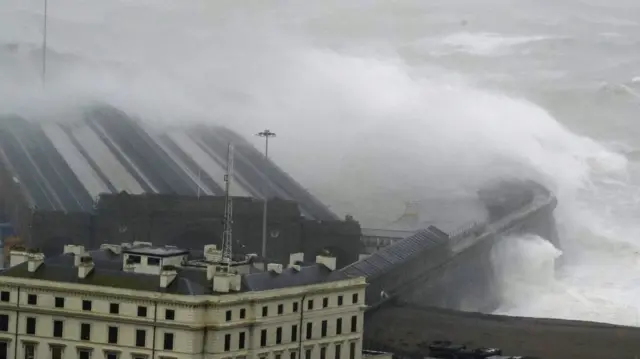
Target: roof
x: 66, y: 165
x: 189, y: 281
x: 385, y: 233
x: 164, y: 251
x: 391, y: 257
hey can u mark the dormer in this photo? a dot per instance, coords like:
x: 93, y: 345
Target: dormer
x: 150, y: 259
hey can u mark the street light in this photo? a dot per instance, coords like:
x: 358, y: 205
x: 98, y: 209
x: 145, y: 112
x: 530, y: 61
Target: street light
x: 266, y: 134
x: 44, y: 43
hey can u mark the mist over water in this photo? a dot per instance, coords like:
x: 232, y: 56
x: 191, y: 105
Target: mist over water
x: 379, y: 102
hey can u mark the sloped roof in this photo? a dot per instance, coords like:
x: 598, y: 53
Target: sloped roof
x: 391, y: 257
x: 66, y: 165
x: 189, y: 281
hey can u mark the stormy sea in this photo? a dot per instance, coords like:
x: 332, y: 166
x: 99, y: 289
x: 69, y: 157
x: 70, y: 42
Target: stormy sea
x: 379, y: 102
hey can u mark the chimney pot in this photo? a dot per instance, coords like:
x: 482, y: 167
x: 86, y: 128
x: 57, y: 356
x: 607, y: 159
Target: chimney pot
x: 296, y: 258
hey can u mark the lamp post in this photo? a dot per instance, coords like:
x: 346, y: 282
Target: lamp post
x: 44, y: 44
x: 266, y: 134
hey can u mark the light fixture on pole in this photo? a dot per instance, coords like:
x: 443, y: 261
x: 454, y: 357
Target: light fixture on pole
x: 266, y: 134
x: 44, y: 44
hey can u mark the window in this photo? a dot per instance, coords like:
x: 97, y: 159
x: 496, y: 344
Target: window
x: 310, y: 304
x: 114, y: 308
x: 292, y: 355
x: 4, y: 323
x: 152, y: 261
x: 29, y: 350
x: 169, y: 314
x: 307, y: 354
x: 295, y: 309
x: 352, y: 350
x: 294, y: 333
x: 141, y: 337
x: 338, y: 351
x: 278, y: 356
x: 112, y: 335
x: 86, y: 305
x: 325, y: 302
x: 58, y: 328
x: 339, y: 326
x: 323, y: 330
x: 142, y: 311
x: 241, y: 340
x: 31, y: 325
x: 243, y: 313
x: 168, y: 341
x: 228, y: 316
x: 32, y: 299
x: 57, y: 351
x: 263, y: 338
x: 5, y: 296
x: 340, y: 298
x: 227, y: 342
x: 84, y: 354
x: 323, y: 353
x: 309, y: 330
x: 265, y: 311
x: 354, y: 298
x: 134, y: 259
x: 59, y: 302
x: 280, y: 309
x: 85, y: 331
x: 111, y: 355
x: 354, y: 324
x: 278, y: 335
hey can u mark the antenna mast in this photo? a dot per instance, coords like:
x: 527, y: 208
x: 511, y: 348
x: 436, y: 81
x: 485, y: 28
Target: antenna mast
x: 227, y: 250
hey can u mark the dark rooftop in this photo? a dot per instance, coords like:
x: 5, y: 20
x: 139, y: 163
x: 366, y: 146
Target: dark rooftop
x: 164, y: 251
x: 108, y: 272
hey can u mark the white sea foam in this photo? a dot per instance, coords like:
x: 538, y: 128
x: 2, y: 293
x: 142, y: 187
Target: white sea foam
x: 364, y: 132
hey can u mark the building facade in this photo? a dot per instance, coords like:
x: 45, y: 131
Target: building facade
x: 145, y: 302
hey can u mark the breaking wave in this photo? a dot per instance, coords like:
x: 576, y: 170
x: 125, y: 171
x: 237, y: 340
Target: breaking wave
x: 365, y: 130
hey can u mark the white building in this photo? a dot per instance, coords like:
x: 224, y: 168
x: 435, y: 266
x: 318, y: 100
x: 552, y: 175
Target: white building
x: 143, y: 302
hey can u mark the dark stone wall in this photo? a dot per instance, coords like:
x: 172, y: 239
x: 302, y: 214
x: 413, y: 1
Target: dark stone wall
x: 191, y: 222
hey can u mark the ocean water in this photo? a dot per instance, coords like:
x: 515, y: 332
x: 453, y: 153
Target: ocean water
x: 379, y: 102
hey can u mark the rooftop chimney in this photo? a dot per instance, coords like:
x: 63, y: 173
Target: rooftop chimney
x: 329, y: 262
x: 85, y: 267
x: 35, y: 260
x: 167, y: 275
x: 295, y: 258
x: 18, y: 255
x: 72, y: 248
x: 224, y: 282
x: 212, y: 253
x: 274, y: 267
